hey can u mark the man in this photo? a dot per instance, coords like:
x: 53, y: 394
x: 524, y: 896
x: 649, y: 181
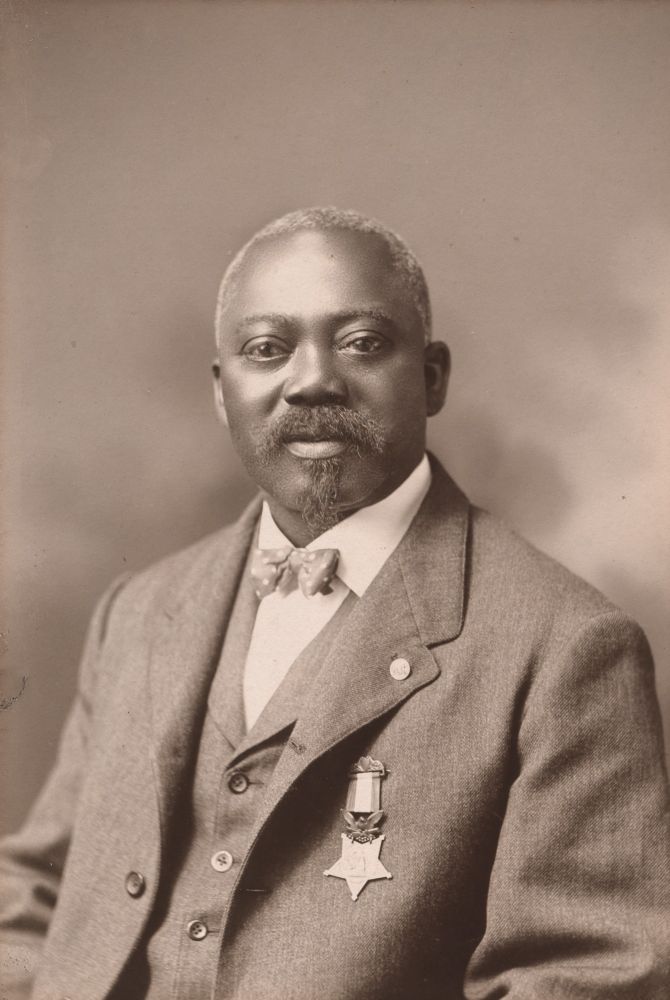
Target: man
x: 366, y: 743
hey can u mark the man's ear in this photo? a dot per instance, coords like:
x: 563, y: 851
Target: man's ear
x: 219, y: 401
x: 437, y: 365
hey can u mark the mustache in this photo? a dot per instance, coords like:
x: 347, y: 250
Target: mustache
x: 333, y: 423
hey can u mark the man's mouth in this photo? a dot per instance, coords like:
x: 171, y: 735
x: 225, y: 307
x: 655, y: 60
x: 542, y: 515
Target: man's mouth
x: 306, y: 448
x: 321, y: 433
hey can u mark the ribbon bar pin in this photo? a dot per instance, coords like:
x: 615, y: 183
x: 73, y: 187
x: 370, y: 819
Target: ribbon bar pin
x: 365, y: 780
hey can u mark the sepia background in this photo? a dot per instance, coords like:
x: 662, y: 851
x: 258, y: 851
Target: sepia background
x: 522, y: 148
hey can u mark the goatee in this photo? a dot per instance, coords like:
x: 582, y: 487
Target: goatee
x: 360, y: 433
x: 319, y: 501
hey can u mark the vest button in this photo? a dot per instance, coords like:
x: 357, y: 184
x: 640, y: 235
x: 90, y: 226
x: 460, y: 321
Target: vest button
x: 197, y: 930
x: 222, y: 861
x: 238, y: 782
x: 135, y: 884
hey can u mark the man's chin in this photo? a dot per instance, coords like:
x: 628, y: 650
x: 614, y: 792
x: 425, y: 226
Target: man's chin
x: 323, y: 490
x: 334, y: 493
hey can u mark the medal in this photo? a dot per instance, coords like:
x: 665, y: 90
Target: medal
x: 362, y: 842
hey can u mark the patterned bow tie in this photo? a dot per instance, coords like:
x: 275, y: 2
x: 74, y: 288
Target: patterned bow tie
x: 279, y: 569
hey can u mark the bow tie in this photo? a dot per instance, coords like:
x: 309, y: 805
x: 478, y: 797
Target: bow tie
x: 279, y: 569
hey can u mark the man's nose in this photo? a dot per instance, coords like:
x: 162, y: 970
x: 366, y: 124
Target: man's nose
x: 314, y: 378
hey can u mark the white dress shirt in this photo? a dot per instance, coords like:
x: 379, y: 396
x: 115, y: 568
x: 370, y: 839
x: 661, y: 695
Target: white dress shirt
x: 286, y: 623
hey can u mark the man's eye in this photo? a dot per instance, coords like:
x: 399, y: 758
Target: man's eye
x: 264, y: 349
x: 363, y: 343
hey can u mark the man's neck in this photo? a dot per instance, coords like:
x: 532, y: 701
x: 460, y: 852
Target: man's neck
x: 292, y: 524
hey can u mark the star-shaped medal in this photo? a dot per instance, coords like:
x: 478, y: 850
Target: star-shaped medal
x: 359, y: 864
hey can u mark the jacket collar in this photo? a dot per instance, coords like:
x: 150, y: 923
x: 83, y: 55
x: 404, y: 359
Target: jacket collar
x: 433, y: 560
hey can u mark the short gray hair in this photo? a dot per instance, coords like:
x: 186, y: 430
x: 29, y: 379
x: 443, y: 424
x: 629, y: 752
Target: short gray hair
x: 403, y: 260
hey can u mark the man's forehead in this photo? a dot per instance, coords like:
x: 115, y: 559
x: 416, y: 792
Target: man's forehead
x: 317, y: 270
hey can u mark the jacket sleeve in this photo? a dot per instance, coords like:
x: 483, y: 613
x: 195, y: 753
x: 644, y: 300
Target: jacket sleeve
x: 579, y: 897
x: 32, y: 860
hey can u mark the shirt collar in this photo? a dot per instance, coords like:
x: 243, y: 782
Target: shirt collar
x: 366, y: 538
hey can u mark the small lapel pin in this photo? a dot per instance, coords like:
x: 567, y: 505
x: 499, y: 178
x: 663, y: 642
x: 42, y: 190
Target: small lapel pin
x: 362, y: 842
x: 400, y: 669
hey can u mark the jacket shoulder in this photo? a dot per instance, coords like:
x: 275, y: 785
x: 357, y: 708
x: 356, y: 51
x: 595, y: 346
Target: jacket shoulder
x: 527, y: 586
x: 166, y: 581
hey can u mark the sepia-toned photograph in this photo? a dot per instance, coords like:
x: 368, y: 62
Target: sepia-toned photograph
x: 334, y: 493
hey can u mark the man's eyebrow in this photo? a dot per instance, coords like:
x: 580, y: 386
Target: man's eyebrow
x: 372, y: 313
x: 284, y: 321
x: 273, y: 319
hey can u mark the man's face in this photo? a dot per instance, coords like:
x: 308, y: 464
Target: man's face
x: 324, y: 375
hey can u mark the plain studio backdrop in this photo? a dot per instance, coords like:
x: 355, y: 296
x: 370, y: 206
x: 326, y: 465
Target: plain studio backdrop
x: 521, y: 148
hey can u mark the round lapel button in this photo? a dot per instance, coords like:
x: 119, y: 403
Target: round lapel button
x: 400, y: 669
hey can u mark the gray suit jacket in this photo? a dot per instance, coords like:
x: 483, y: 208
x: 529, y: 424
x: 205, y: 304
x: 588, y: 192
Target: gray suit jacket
x: 526, y: 803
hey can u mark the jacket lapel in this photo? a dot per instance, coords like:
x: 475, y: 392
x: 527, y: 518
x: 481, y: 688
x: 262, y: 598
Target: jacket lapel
x: 225, y: 700
x: 185, y: 653
x: 286, y: 703
x: 415, y: 602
